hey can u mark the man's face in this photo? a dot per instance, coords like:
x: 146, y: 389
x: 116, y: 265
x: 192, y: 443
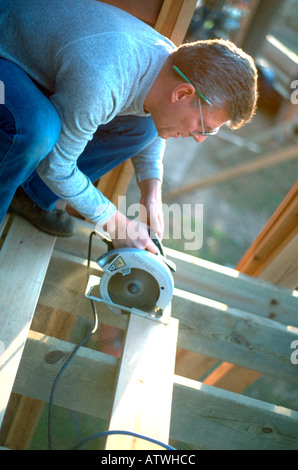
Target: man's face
x: 180, y: 119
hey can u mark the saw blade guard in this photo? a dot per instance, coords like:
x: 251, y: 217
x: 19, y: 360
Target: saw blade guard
x: 136, y: 278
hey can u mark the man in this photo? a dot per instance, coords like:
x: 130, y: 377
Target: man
x: 88, y: 86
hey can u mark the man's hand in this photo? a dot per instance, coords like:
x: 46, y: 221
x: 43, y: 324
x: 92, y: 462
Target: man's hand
x: 151, y: 205
x: 129, y: 233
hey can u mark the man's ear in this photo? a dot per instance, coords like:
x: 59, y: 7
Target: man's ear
x: 183, y: 92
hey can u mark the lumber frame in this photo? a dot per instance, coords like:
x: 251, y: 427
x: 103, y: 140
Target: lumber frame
x: 273, y: 257
x: 255, y: 321
x: 203, y: 416
x: 204, y: 323
x: 238, y: 422
x: 143, y: 395
x: 19, y: 294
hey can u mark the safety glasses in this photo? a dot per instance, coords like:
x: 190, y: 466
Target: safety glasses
x: 202, y: 97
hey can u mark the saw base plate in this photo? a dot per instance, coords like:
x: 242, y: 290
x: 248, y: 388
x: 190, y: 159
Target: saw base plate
x: 93, y: 287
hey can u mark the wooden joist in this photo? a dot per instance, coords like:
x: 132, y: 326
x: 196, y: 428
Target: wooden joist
x: 234, y: 288
x: 143, y: 396
x: 272, y: 257
x: 203, y: 416
x: 216, y: 419
x: 228, y: 330
x: 24, y: 259
x: 271, y: 244
x: 225, y: 315
x: 249, y: 327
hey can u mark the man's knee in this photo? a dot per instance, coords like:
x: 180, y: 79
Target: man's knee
x: 31, y: 138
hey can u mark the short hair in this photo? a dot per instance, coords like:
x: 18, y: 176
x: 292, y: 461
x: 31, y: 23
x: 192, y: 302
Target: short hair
x: 224, y: 73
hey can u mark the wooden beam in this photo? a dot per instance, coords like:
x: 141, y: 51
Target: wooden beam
x: 207, y: 327
x: 174, y: 19
x: 216, y: 330
x: 66, y: 278
x: 234, y: 288
x: 209, y: 418
x: 246, y: 22
x: 21, y: 427
x: 24, y: 259
x: 273, y: 257
x: 271, y: 240
x: 114, y: 183
x: 42, y: 360
x: 202, y: 416
x: 283, y: 269
x: 145, y: 11
x: 143, y: 396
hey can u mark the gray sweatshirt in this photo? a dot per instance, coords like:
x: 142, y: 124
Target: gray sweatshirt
x: 99, y: 62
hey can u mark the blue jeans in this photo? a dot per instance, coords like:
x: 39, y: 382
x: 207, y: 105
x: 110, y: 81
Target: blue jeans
x: 30, y: 128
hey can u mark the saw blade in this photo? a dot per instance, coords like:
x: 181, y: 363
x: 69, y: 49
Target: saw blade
x: 138, y: 289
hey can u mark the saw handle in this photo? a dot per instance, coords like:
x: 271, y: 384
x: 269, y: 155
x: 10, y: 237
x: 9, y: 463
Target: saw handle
x: 171, y: 265
x: 152, y: 235
x: 156, y: 241
x: 109, y: 244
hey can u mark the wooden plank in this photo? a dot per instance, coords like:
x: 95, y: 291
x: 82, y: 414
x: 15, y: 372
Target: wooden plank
x: 234, y: 288
x: 28, y: 411
x: 283, y: 269
x: 43, y: 358
x: 272, y: 256
x: 268, y: 243
x: 145, y: 11
x: 3, y: 223
x: 65, y: 280
x: 174, y: 19
x: 210, y: 418
x: 202, y: 416
x: 114, y: 183
x: 143, y: 395
x: 246, y: 22
x: 77, y: 244
x: 213, y: 329
x: 183, y: 21
x: 24, y: 259
x: 206, y: 327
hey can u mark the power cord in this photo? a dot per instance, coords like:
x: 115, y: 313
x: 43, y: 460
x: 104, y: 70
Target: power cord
x: 83, y: 341
x: 126, y: 433
x: 75, y: 350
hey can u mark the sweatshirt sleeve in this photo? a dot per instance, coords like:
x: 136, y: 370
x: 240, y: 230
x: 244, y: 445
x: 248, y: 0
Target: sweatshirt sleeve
x: 84, y: 99
x: 149, y: 163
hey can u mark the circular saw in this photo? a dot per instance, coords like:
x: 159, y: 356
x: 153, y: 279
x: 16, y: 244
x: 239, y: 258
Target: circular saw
x: 135, y: 281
